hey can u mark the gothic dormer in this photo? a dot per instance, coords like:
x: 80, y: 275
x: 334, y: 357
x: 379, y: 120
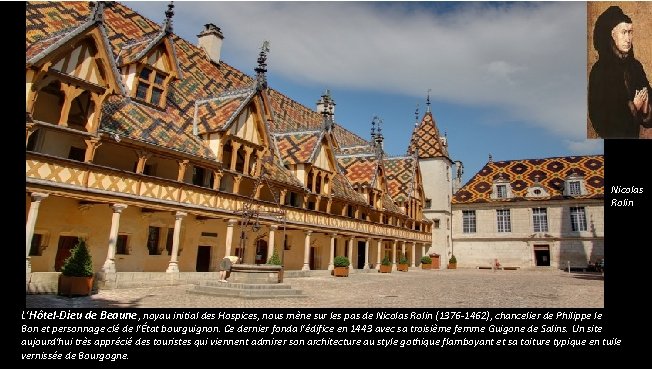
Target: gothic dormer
x: 150, y: 64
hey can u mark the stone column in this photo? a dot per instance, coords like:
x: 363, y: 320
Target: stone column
x: 173, y: 267
x: 394, y: 255
x: 306, y: 252
x: 379, y: 244
x: 109, y: 263
x: 351, y: 253
x: 229, y: 236
x: 366, y: 254
x: 414, y: 253
x: 332, y: 254
x: 37, y: 197
x: 271, y: 241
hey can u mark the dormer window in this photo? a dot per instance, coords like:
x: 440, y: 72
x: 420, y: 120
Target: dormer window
x: 501, y: 189
x: 536, y: 190
x: 151, y: 85
x: 574, y: 185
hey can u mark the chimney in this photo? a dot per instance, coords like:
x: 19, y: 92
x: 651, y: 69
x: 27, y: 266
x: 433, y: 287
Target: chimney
x: 210, y: 39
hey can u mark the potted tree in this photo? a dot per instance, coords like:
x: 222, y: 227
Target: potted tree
x: 385, y: 265
x: 76, y: 276
x: 452, y: 262
x: 276, y: 260
x: 426, y: 262
x: 402, y: 263
x: 341, y: 264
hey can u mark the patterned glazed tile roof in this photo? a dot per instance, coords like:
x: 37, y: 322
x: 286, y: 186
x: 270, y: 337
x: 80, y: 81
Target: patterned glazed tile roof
x: 346, y: 138
x: 131, y: 53
x: 357, y: 150
x: 389, y: 205
x: 343, y: 190
x: 360, y: 170
x: 290, y: 116
x: 400, y: 173
x: 427, y: 140
x: 279, y: 174
x: 522, y: 174
x: 142, y: 123
x: 296, y: 148
x: 216, y: 113
x: 47, y: 19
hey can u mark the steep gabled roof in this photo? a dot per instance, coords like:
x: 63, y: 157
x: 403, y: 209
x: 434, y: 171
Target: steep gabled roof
x: 522, y: 174
x: 360, y: 170
x: 400, y: 174
x: 217, y: 113
x: 297, y: 147
x: 427, y: 140
x: 343, y: 190
x: 142, y: 123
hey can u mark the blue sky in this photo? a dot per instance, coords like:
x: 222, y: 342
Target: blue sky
x: 506, y: 79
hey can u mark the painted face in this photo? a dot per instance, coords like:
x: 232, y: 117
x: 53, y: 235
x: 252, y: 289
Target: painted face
x: 622, y: 35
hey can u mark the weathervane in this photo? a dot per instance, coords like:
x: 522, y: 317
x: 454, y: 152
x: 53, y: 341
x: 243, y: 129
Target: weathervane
x: 428, y: 101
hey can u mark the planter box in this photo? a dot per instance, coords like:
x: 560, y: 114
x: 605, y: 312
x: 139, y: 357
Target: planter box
x: 341, y: 271
x: 452, y: 266
x: 69, y: 286
x: 385, y: 268
x: 402, y: 267
x: 426, y: 266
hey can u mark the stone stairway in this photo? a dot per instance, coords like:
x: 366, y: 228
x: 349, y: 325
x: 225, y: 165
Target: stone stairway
x: 245, y: 290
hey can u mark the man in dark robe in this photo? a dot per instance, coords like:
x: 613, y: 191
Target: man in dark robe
x: 619, y: 102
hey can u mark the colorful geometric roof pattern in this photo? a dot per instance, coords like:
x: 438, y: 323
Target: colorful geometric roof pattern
x: 215, y: 114
x: 279, y: 174
x: 290, y: 116
x: 347, y: 138
x: 218, y: 90
x: 357, y: 150
x: 522, y: 174
x: 143, y: 123
x: 297, y: 148
x: 389, y: 205
x: 400, y: 174
x: 427, y: 140
x: 133, y: 52
x: 360, y: 170
x: 343, y: 190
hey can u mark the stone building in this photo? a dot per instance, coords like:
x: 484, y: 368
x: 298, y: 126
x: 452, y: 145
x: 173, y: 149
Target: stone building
x: 529, y: 213
x: 165, y: 159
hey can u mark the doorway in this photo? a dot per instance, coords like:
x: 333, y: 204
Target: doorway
x: 361, y: 247
x: 261, y: 251
x: 542, y: 255
x: 66, y: 244
x: 203, y: 258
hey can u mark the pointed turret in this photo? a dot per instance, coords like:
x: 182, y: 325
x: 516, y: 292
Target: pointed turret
x: 426, y: 137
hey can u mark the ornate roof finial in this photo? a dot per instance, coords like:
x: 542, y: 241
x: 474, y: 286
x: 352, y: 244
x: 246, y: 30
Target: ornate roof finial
x: 373, y: 128
x: 167, y: 24
x: 261, y: 69
x: 416, y: 116
x: 491, y: 158
x: 428, y: 101
x: 377, y: 137
x: 97, y: 14
x: 327, y: 108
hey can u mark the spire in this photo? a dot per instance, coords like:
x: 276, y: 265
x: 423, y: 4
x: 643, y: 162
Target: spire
x: 261, y: 69
x: 416, y: 116
x: 377, y: 131
x: 326, y: 106
x: 97, y: 14
x: 167, y: 24
x: 428, y: 101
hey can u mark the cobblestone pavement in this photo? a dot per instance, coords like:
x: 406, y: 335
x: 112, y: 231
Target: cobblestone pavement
x: 461, y: 288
